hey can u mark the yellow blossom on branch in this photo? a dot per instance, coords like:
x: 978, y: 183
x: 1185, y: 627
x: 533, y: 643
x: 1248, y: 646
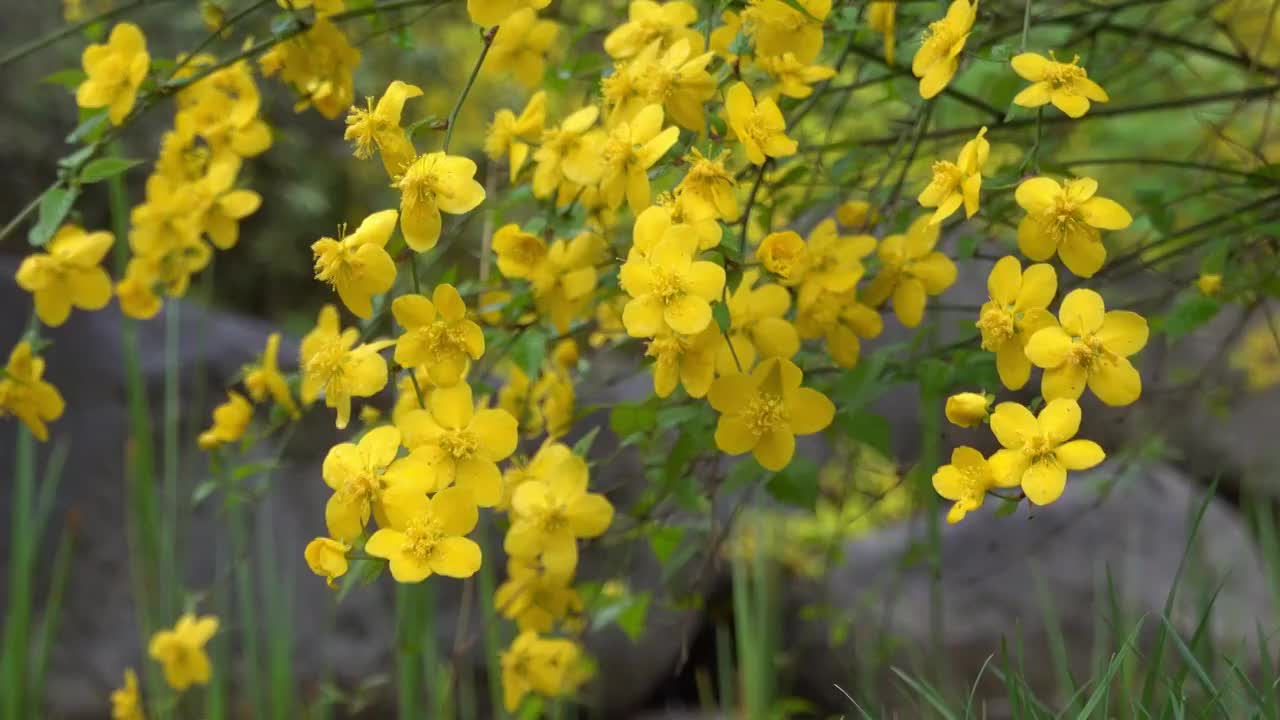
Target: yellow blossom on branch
x: 68, y: 274
x: 1090, y: 346
x: 649, y: 22
x: 432, y: 184
x: 759, y: 127
x: 334, y: 365
x: 967, y: 409
x: 957, y: 183
x: 670, y: 288
x: 549, y: 517
x: 263, y: 379
x: 685, y: 360
x: 911, y: 271
x: 357, y: 265
x: 881, y: 15
x: 762, y: 412
x: 427, y: 536
x: 181, y: 652
x: 520, y: 48
x: 126, y: 702
x: 327, y: 558
x: 1016, y: 310
x: 361, y: 474
x: 1038, y: 451
x: 545, y: 666
x: 1065, y: 219
x: 24, y: 393
x: 487, y: 13
x: 777, y: 27
x: 114, y: 72
x: 510, y: 135
x: 630, y: 150
x: 965, y: 482
x: 938, y: 58
x: 437, y: 335
x: 230, y: 420
x: 1066, y: 85
x: 793, y: 78
x: 378, y: 127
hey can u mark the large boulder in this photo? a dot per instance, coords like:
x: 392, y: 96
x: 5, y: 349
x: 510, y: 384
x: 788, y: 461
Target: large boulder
x: 1006, y: 579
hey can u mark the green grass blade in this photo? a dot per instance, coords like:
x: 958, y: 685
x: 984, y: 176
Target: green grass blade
x: 1104, y: 683
x: 927, y: 692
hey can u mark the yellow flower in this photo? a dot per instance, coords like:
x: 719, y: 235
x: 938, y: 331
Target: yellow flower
x: 1258, y: 355
x: 708, y: 185
x: 566, y: 354
x: 683, y: 210
x: 938, y: 58
x: 437, y: 335
x: 549, y: 516
x: 957, y: 183
x: 670, y: 77
x: 181, y: 653
x: 1016, y: 311
x: 25, y: 395
x: 757, y: 326
x: 510, y: 135
x: 126, y: 702
x: 857, y: 214
x: 362, y: 474
x: 427, y: 536
x: 433, y: 183
x: 685, y: 360
x: 319, y: 64
x: 669, y: 288
x: 967, y: 409
x: 776, y: 27
x: 115, y: 70
x: 545, y: 666
x: 1209, y: 284
x: 357, y: 265
x: 786, y: 255
x: 67, y: 274
x: 649, y: 22
x: 630, y: 150
x: 332, y: 363
x: 839, y: 319
x: 222, y: 108
x: 230, y: 420
x: 1066, y: 85
x: 136, y: 290
x: 792, y: 77
x: 1091, y: 346
x: 911, y: 271
x: 554, y: 391
x: 516, y: 396
x: 378, y: 126
x: 544, y: 463
x: 520, y: 47
x: 1038, y: 451
x: 833, y: 261
x: 463, y: 444
x: 880, y: 17
x: 487, y: 13
x: 759, y: 127
x: 535, y: 599
x: 567, y: 154
x: 762, y: 412
x: 327, y: 558
x: 1065, y: 219
x: 264, y: 379
x: 965, y: 481
x: 723, y: 36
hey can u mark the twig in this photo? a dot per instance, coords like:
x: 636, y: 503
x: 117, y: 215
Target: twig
x: 466, y: 89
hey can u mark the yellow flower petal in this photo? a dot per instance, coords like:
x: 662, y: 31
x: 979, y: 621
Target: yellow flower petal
x: 1044, y: 482
x: 1060, y: 419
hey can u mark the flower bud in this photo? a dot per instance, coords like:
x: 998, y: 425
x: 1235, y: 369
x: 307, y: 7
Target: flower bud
x: 1209, y: 284
x: 967, y: 409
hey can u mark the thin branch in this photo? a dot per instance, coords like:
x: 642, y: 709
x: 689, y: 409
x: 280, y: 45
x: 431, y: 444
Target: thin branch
x: 488, y: 37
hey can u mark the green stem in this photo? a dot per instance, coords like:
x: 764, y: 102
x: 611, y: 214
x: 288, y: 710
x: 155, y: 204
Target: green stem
x: 492, y: 640
x: 170, y: 572
x: 13, y: 680
x: 407, y: 675
x: 466, y: 89
x: 72, y: 29
x: 246, y: 604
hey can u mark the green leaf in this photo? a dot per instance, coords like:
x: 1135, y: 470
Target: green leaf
x: 77, y: 158
x: 69, y: 78
x: 1007, y: 508
x: 54, y: 206
x: 797, y: 484
x: 1189, y: 315
x: 203, y: 491
x: 430, y: 122
x: 720, y: 311
x: 632, y: 619
x: 627, y: 419
x: 530, y: 350
x: 90, y: 127
x: 106, y: 168
x: 664, y: 540
x: 670, y: 416
x: 583, y: 446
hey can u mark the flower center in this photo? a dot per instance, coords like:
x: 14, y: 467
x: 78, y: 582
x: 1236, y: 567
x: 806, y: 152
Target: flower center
x: 329, y: 364
x: 1037, y: 448
x: 617, y: 152
x: 422, y: 537
x: 460, y: 444
x: 667, y: 350
x: 363, y: 487
x: 420, y: 182
x: 1062, y: 74
x: 941, y: 34
x: 363, y: 125
x: 555, y: 519
x: 997, y: 327
x: 1087, y: 352
x: 765, y: 412
x: 668, y: 286
x: 947, y: 174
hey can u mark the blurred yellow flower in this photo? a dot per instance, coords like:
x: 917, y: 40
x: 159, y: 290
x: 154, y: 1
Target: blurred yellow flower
x: 1209, y: 284
x: 881, y: 15
x: 25, y: 395
x: 510, y: 135
x: 759, y: 127
x: 181, y: 652
x: 957, y: 183
x: 709, y: 186
x: 520, y: 47
x: 535, y: 599
x: 115, y: 70
x: 362, y: 474
x: 487, y: 13
x: 378, y: 127
x: 230, y: 420
x: 911, y: 271
x: 263, y: 378
x: 546, y: 666
x: 630, y: 150
x: 758, y: 327
x: 126, y: 702
x: 649, y: 22
x: 687, y: 360
x: 549, y: 516
x: 334, y: 365
x: 777, y: 27
x: 792, y: 78
x: 68, y: 274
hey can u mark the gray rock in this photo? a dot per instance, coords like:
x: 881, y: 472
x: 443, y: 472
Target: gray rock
x: 997, y: 574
